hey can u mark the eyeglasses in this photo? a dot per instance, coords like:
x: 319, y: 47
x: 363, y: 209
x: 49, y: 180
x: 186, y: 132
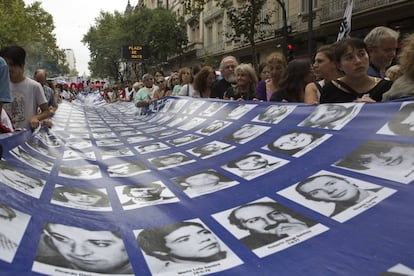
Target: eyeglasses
x: 158, y: 82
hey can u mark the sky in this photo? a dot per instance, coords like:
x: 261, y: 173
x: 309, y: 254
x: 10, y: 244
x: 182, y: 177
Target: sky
x: 73, y: 19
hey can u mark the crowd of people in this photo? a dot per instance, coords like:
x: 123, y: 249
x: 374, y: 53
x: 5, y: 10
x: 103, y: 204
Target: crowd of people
x: 350, y: 70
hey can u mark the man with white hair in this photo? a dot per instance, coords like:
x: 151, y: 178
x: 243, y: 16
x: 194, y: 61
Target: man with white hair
x: 382, y: 43
x: 227, y: 66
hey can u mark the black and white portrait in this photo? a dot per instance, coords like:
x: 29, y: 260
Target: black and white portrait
x: 296, y: 143
x: 246, y: 133
x: 65, y: 249
x: 171, y: 160
x: 384, y: 159
x: 167, y: 133
x: 213, y: 127
x: 332, y: 116
x: 109, y: 142
x: 141, y: 195
x: 211, y: 149
x: 69, y: 155
x: 213, y: 108
x: 139, y: 139
x: 176, y: 249
x: 266, y: 226
x: 20, y: 180
x: 194, y: 122
x: 402, y: 123
x: 104, y: 135
x: 79, y: 198
x: 80, y: 172
x: 191, y: 108
x: 78, y: 144
x: 273, y: 114
x: 336, y: 196
x: 239, y: 111
x: 151, y: 147
x: 184, y: 140
x: 254, y: 165
x: 40, y: 148
x: 30, y: 160
x: 203, y: 182
x: 179, y: 119
x: 126, y: 169
x: 107, y: 153
x: 13, y: 225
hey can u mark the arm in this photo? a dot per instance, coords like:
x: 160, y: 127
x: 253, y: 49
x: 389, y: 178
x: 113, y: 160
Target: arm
x: 311, y: 94
x: 44, y: 114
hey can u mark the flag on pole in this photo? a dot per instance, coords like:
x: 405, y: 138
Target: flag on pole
x: 345, y: 27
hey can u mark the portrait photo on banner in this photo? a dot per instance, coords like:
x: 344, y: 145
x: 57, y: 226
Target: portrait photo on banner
x: 191, y: 108
x: 213, y: 127
x: 203, y: 182
x: 38, y: 163
x: 296, y: 143
x: 20, y: 180
x: 13, y: 225
x: 147, y: 194
x: 337, y: 196
x: 254, y: 165
x: 273, y: 114
x: 332, y: 116
x: 185, y: 248
x: 213, y: 108
x: 171, y: 160
x: 246, y: 133
x: 80, y: 172
x: 380, y: 158
x: 402, y: 123
x: 70, y: 250
x: 266, y: 226
x: 239, y: 111
x: 151, y: 147
x: 211, y: 149
x: 80, y: 198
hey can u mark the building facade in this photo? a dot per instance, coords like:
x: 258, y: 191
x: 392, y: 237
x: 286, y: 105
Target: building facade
x: 208, y: 30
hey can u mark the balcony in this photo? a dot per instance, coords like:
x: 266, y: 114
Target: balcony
x: 334, y: 9
x: 212, y: 49
x: 212, y: 13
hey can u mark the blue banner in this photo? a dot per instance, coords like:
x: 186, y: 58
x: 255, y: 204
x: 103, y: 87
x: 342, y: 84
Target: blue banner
x: 202, y: 186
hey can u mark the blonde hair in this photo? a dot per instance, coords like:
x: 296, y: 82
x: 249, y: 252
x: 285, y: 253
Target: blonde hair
x: 406, y: 57
x: 249, y: 70
x: 277, y: 58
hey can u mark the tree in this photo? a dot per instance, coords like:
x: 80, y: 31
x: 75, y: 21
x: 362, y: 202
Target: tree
x: 245, y: 19
x: 104, y: 41
x: 159, y: 31
x: 32, y: 28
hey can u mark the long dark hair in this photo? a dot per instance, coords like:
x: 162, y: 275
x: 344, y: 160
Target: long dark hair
x: 293, y: 79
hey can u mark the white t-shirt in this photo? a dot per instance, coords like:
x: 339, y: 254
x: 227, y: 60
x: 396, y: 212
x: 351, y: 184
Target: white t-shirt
x: 27, y: 96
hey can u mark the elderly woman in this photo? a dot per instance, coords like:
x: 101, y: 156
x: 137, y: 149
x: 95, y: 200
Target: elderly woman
x: 245, y: 87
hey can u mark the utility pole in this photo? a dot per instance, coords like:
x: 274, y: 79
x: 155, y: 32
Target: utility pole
x: 285, y: 27
x: 310, y: 30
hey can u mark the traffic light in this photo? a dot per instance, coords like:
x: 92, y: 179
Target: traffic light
x: 290, y: 50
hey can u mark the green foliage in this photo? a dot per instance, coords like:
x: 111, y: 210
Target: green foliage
x: 159, y: 31
x: 32, y: 28
x: 104, y: 42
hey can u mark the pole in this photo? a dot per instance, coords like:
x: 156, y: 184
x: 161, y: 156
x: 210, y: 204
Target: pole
x: 310, y: 29
x: 285, y: 27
